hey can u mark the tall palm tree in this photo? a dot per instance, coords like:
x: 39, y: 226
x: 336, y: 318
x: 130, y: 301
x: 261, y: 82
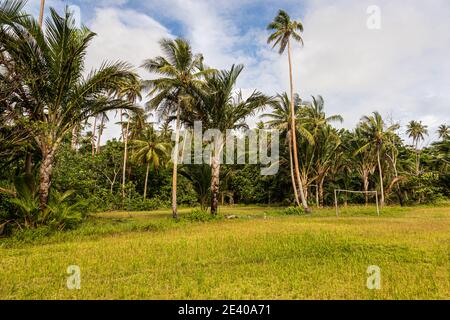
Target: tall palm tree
x: 283, y: 30
x: 53, y: 92
x: 280, y: 119
x: 220, y: 108
x: 376, y: 132
x: 180, y: 72
x: 444, y: 131
x: 417, y: 131
x: 149, y: 150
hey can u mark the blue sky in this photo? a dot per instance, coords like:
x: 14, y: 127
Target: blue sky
x: 401, y: 70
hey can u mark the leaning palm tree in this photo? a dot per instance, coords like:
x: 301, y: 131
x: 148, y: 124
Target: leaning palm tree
x: 417, y: 131
x: 180, y: 72
x: 220, y: 108
x: 150, y: 151
x: 280, y: 119
x: 376, y: 133
x: 283, y: 30
x: 54, y: 96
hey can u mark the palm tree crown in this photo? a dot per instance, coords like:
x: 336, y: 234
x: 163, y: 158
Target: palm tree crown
x: 283, y: 28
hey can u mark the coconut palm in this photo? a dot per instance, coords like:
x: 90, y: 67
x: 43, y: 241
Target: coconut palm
x: 54, y: 96
x: 283, y: 30
x: 151, y: 151
x: 280, y: 119
x: 180, y: 71
x: 375, y: 131
x: 218, y: 107
x: 444, y: 131
x: 101, y: 127
x: 417, y: 131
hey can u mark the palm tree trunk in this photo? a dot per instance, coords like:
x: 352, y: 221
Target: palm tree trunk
x: 294, y: 185
x: 74, y: 140
x: 125, y: 158
x: 175, y: 165
x: 146, y: 180
x: 28, y: 161
x: 100, y: 133
x: 320, y: 192
x: 417, y: 158
x: 381, y: 176
x: 215, y: 181
x: 93, y: 136
x: 294, y: 137
x: 41, y: 13
x: 46, y: 170
x: 366, y: 186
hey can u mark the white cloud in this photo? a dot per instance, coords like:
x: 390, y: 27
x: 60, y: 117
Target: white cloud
x: 124, y: 35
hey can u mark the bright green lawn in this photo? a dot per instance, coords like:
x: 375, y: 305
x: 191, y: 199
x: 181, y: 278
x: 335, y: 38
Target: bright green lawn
x: 148, y: 256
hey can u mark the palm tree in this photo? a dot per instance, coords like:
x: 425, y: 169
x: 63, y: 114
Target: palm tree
x: 150, y: 150
x: 375, y: 131
x: 180, y: 72
x: 283, y: 30
x: 444, y: 131
x: 53, y: 95
x: 101, y: 127
x: 220, y: 108
x: 417, y: 131
x: 280, y: 119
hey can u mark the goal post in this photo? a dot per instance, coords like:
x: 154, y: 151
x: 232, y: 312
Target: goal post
x: 336, y: 191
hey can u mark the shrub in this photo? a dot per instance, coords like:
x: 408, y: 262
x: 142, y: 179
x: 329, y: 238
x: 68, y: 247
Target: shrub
x: 294, y: 211
x: 199, y: 215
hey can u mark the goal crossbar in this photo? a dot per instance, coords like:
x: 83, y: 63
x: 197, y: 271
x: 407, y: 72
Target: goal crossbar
x: 353, y: 191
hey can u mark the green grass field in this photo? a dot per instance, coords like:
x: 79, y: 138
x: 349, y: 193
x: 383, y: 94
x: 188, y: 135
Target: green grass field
x: 261, y: 255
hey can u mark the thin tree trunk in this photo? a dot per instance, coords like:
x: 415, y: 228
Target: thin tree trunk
x: 94, y: 131
x: 175, y: 166
x: 100, y: 133
x: 125, y: 158
x: 74, y: 141
x: 41, y: 13
x: 28, y: 161
x: 146, y: 180
x: 320, y: 192
x: 294, y: 185
x: 381, y: 176
x: 215, y: 181
x: 293, y: 132
x: 366, y: 186
x: 45, y: 176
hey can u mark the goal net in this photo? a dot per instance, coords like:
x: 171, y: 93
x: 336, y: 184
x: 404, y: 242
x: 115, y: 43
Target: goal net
x: 346, y: 193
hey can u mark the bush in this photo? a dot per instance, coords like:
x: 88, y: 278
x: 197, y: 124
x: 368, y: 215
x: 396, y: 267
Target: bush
x: 294, y: 211
x: 139, y: 204
x: 199, y: 215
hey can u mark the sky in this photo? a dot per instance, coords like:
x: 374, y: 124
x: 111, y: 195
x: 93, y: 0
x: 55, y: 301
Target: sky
x: 392, y: 58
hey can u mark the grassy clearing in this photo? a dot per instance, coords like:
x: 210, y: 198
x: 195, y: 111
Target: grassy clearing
x: 262, y: 255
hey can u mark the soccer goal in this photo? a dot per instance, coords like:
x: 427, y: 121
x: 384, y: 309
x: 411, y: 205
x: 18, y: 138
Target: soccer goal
x: 336, y: 191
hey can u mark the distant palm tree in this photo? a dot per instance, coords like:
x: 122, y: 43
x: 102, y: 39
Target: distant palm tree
x: 180, y: 71
x: 417, y: 131
x: 151, y: 151
x: 283, y: 30
x: 444, y: 131
x: 375, y: 131
x: 101, y: 127
x: 54, y: 95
